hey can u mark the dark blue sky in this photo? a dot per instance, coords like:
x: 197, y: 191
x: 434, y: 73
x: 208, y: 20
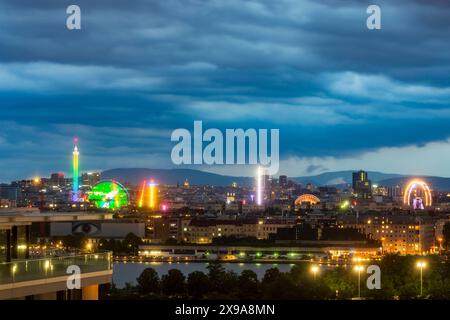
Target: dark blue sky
x: 342, y: 96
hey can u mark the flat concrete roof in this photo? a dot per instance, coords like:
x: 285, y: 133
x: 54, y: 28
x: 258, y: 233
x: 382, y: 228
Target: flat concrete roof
x: 51, y: 284
x: 24, y: 217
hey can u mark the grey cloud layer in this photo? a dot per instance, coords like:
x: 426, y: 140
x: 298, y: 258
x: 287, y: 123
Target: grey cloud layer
x: 232, y: 34
x: 310, y: 68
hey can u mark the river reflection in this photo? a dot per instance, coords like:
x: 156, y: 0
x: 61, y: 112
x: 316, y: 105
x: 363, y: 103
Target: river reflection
x: 128, y: 272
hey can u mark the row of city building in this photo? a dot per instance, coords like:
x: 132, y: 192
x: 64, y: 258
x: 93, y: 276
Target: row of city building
x: 395, y: 233
x: 44, y: 191
x: 280, y: 195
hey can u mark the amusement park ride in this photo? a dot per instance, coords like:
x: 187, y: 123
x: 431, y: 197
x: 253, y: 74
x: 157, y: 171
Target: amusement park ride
x: 110, y: 194
x: 107, y: 194
x: 417, y: 195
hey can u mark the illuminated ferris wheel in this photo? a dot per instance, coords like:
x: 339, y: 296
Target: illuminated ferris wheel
x: 417, y: 195
x: 109, y: 195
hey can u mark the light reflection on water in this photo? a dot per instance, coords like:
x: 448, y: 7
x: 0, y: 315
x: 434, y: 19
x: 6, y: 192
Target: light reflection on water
x: 128, y: 272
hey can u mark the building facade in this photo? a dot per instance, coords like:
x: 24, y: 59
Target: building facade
x: 398, y: 233
x: 204, y: 231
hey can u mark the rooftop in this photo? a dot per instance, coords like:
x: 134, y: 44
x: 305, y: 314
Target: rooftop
x: 26, y: 216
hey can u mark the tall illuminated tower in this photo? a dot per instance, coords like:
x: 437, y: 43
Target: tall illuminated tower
x: 259, y: 186
x: 75, y: 171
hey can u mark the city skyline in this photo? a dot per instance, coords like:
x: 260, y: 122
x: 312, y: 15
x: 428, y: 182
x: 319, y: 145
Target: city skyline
x: 123, y: 87
x: 225, y: 157
x: 76, y: 171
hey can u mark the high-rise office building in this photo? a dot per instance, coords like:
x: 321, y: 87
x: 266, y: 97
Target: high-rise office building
x: 283, y: 181
x: 57, y: 179
x: 9, y: 192
x: 89, y: 179
x: 362, y: 186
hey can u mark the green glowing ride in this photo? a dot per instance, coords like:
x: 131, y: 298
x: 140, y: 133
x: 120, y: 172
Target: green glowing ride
x: 109, y: 195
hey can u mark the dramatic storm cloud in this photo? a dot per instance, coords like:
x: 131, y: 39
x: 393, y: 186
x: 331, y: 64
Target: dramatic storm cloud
x: 343, y: 96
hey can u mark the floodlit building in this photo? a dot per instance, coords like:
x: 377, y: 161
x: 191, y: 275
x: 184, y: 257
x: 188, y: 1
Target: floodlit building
x: 398, y: 233
x: 362, y: 186
x: 161, y: 229
x: 204, y: 231
x: 89, y: 179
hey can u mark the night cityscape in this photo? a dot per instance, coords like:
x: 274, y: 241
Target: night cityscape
x: 217, y: 151
x: 312, y: 231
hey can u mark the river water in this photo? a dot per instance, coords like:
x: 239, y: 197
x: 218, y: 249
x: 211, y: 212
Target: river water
x: 128, y: 272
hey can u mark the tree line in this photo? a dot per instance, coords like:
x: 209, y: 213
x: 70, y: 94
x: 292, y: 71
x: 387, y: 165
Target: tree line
x: 399, y: 278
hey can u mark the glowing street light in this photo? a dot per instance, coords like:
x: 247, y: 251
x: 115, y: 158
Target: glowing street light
x: 440, y: 239
x: 359, y: 269
x: 315, y: 271
x: 421, y: 265
x: 14, y: 270
x: 345, y: 204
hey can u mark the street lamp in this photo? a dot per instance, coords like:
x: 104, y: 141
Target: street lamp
x: 421, y: 265
x: 315, y: 270
x: 358, y: 269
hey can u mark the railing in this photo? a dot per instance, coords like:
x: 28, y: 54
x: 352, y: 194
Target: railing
x: 28, y: 270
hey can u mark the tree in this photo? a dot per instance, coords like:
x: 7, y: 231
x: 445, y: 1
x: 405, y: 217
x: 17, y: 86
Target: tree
x: 306, y: 285
x: 446, y: 235
x: 222, y: 282
x: 440, y: 289
x: 248, y: 284
x: 230, y: 282
x: 131, y: 243
x: 399, y: 276
x: 341, y: 282
x: 74, y: 241
x: 216, y: 274
x: 148, y: 281
x: 271, y: 276
x: 198, y: 284
x: 276, y: 285
x: 173, y: 283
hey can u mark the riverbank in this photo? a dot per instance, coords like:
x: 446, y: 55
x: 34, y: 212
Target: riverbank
x: 262, y: 260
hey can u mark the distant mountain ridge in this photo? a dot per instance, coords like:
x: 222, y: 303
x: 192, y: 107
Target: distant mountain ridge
x: 344, y: 177
x: 197, y: 177
x: 174, y: 176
